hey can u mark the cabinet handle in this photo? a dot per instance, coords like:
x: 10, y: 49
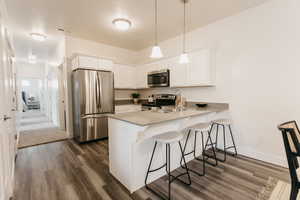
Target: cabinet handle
x: 5, y: 117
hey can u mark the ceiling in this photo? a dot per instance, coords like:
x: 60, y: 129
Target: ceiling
x: 92, y: 20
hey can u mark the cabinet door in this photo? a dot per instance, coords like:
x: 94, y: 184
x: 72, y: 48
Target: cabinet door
x: 88, y: 62
x: 124, y: 76
x: 199, y: 68
x: 130, y: 77
x: 178, y: 72
x: 141, y: 76
x: 117, y: 76
x: 106, y: 64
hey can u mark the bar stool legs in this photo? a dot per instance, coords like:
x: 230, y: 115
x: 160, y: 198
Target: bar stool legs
x: 225, y: 147
x: 167, y: 166
x: 203, y: 160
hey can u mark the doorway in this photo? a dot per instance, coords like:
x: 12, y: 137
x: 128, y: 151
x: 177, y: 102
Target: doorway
x: 40, y: 96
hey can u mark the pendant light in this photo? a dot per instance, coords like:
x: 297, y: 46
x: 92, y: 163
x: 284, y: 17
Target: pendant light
x: 184, y: 58
x: 156, y: 51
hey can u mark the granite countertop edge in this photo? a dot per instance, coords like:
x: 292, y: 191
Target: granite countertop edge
x: 202, y: 111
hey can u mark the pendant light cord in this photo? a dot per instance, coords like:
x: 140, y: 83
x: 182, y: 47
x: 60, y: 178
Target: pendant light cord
x: 184, y: 25
x: 155, y: 22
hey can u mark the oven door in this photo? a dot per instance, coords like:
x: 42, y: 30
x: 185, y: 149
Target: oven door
x: 158, y: 78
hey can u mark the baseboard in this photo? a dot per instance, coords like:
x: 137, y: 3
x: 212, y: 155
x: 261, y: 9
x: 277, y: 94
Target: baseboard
x: 277, y: 160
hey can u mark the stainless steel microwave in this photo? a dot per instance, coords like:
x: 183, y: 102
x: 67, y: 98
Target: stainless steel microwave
x: 159, y: 78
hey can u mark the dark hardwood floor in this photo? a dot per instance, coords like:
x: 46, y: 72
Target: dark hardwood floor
x: 68, y: 171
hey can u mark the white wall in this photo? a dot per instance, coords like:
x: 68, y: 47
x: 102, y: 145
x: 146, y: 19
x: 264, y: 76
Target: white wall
x: 52, y: 94
x: 257, y: 72
x: 31, y: 71
x: 91, y: 48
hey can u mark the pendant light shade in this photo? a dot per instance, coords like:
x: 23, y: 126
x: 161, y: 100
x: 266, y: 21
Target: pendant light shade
x: 184, y: 58
x: 156, y: 51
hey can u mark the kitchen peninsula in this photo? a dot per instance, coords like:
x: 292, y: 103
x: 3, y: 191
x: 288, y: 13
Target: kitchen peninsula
x: 131, y: 143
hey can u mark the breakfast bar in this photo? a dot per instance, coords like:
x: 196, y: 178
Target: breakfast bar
x: 131, y: 140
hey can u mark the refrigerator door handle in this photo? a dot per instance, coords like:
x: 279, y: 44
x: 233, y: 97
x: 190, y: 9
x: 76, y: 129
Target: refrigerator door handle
x: 99, y: 92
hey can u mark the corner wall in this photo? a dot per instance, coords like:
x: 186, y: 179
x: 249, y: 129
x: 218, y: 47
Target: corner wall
x: 258, y: 71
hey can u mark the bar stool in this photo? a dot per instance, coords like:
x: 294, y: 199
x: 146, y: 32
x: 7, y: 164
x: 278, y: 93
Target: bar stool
x: 200, y: 128
x: 166, y: 139
x: 223, y: 123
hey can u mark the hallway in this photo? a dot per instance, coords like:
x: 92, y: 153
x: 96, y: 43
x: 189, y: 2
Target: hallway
x: 36, y: 128
x: 32, y: 120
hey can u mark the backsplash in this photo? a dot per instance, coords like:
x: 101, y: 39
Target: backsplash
x: 123, y: 94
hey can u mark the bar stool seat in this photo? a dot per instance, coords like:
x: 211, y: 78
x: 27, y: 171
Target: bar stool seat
x: 222, y: 121
x: 201, y: 127
x: 169, y: 137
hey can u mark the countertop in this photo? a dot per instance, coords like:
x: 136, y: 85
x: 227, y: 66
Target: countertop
x: 146, y: 118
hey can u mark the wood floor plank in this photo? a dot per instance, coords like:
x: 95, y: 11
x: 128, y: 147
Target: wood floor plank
x: 69, y: 171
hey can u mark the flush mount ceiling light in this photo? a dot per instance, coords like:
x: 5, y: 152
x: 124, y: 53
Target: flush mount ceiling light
x: 122, y: 24
x: 156, y: 51
x: 184, y: 58
x: 32, y: 59
x: 38, y: 36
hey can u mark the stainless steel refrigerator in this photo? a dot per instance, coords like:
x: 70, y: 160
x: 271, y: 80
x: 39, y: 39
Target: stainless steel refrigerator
x: 93, y: 99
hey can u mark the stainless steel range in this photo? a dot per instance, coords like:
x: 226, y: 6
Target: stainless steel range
x: 160, y: 100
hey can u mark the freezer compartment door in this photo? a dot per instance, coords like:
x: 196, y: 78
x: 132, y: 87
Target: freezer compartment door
x: 93, y: 128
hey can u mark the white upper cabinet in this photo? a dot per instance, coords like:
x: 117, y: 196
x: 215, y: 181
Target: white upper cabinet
x: 124, y: 76
x: 90, y: 62
x: 200, y: 68
x: 178, y: 73
x: 85, y: 62
x: 106, y: 64
x: 141, y: 76
x: 198, y: 72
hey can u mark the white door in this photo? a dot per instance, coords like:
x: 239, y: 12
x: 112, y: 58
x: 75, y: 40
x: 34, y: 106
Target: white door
x: 61, y: 99
x: 7, y: 118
